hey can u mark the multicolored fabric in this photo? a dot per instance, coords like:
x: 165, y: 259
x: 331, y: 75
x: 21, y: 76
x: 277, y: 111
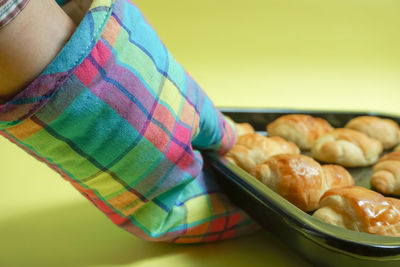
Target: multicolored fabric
x: 9, y: 9
x: 118, y: 117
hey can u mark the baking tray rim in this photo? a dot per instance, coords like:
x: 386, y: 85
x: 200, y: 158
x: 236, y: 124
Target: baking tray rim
x: 308, y: 111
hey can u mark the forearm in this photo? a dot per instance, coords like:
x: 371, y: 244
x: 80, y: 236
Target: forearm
x: 118, y: 124
x: 29, y: 43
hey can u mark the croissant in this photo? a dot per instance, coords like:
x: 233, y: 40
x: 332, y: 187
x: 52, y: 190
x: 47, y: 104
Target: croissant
x: 385, y: 130
x: 300, y: 179
x: 397, y: 148
x: 360, y: 209
x: 252, y: 149
x: 300, y: 129
x: 386, y: 176
x: 241, y: 128
x: 346, y: 147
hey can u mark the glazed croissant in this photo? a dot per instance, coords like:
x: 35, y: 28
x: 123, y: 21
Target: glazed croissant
x: 386, y: 176
x: 300, y: 179
x: 357, y: 208
x: 346, y: 147
x: 300, y: 129
x: 385, y: 130
x: 252, y: 149
x: 241, y: 128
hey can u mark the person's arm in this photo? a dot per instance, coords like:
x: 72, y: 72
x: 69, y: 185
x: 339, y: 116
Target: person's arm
x: 29, y: 43
x: 121, y: 120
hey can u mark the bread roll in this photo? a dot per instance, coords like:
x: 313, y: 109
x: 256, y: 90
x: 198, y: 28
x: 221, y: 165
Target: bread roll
x: 301, y: 129
x: 252, y: 149
x: 385, y: 130
x: 300, y: 179
x: 386, y: 176
x: 357, y: 208
x: 346, y: 147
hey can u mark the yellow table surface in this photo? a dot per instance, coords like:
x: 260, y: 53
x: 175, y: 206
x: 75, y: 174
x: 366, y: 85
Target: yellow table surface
x: 308, y: 54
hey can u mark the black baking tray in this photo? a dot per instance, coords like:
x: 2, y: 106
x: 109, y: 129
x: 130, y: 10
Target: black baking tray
x: 320, y: 243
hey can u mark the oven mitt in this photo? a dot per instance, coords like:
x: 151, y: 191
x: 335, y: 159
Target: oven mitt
x: 120, y: 119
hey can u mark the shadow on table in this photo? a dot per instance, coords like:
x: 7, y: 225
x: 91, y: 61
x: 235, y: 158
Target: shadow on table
x: 79, y: 235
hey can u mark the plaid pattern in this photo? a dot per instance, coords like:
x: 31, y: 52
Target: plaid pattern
x: 9, y: 9
x: 118, y: 117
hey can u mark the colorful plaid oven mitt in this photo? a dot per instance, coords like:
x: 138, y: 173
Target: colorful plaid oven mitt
x: 118, y: 117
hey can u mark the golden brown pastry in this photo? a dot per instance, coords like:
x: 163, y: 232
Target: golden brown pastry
x: 385, y: 130
x: 337, y: 176
x: 300, y: 129
x: 252, y: 149
x: 360, y: 209
x: 243, y: 128
x: 397, y: 148
x: 300, y: 179
x: 346, y: 147
x: 386, y: 176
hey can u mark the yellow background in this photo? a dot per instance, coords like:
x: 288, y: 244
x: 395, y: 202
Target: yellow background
x: 309, y: 54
